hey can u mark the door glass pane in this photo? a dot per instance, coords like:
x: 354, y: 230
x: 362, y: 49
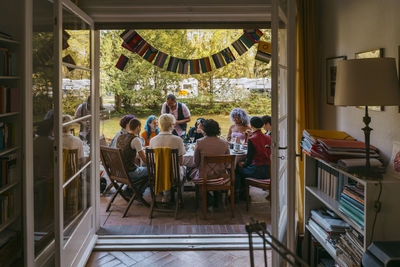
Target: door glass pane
x: 76, y: 120
x: 43, y: 121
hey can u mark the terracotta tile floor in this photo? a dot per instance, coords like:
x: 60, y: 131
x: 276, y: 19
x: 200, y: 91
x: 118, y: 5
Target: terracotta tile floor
x: 189, y: 219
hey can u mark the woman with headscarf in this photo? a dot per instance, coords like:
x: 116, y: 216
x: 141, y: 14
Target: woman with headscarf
x: 241, y: 120
x: 151, y: 129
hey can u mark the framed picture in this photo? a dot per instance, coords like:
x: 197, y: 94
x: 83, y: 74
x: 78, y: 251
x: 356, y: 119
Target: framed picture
x: 331, y: 66
x: 394, y: 163
x: 372, y: 54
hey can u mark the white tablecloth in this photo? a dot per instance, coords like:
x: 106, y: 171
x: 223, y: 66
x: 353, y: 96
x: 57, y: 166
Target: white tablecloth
x: 188, y: 157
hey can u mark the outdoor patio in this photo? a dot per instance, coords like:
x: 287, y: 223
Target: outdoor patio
x: 189, y: 221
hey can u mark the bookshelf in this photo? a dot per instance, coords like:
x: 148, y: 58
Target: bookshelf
x: 328, y: 196
x: 11, y: 235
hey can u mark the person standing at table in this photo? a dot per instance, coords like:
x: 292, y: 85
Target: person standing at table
x: 180, y: 111
x: 258, y: 159
x: 82, y: 111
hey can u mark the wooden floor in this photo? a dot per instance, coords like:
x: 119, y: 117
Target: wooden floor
x: 176, y: 258
x: 189, y: 221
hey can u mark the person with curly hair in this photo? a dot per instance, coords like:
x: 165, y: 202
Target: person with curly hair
x: 151, y: 129
x: 239, y: 129
x: 196, y: 132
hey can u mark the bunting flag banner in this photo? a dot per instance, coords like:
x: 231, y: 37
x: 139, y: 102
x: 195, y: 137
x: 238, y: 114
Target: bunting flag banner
x: 150, y: 54
x: 122, y: 62
x: 264, y: 51
x: 183, y: 66
x: 172, y: 64
x: 239, y: 47
x: 134, y: 43
x: 160, y: 59
x: 195, y: 66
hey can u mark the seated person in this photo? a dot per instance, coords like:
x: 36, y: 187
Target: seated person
x: 209, y: 145
x: 70, y: 141
x: 130, y: 146
x: 258, y: 158
x: 166, y: 139
x: 267, y: 124
x: 241, y: 125
x: 150, y: 129
x: 196, y: 132
x: 123, y: 123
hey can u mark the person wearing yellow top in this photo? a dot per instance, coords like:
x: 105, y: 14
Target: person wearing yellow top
x: 151, y: 129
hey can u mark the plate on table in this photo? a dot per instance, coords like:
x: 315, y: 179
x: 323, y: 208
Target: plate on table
x: 238, y: 151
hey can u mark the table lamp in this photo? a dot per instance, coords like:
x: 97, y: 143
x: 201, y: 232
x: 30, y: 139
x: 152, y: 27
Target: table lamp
x: 367, y: 82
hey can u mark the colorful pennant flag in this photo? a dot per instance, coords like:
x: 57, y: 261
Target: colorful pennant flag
x: 183, y: 66
x: 135, y: 42
x: 246, y: 41
x: 195, y: 66
x: 239, y: 47
x: 160, y: 59
x: 142, y: 48
x: 228, y: 55
x: 127, y: 47
x: 122, y: 62
x: 128, y: 35
x: 218, y: 60
x: 205, y: 64
x: 150, y: 54
x: 264, y: 51
x: 256, y: 34
x: 172, y: 64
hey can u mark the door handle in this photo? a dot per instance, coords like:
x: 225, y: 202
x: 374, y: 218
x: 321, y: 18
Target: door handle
x: 282, y: 147
x: 281, y: 157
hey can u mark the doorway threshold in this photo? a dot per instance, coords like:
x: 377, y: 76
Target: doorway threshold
x: 171, y: 242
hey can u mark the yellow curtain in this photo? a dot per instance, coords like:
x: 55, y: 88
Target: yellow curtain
x: 306, y: 87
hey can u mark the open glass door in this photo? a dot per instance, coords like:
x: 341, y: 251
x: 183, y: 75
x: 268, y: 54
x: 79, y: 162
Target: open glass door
x: 74, y: 120
x: 283, y: 122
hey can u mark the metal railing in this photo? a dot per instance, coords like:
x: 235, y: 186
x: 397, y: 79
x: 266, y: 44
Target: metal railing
x: 260, y: 228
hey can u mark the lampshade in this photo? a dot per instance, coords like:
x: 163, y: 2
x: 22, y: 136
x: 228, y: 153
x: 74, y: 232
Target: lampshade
x: 367, y: 82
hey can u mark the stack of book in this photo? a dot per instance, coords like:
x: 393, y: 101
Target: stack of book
x: 352, y: 203
x: 8, y: 62
x: 7, y: 135
x: 330, y: 181
x: 9, y: 99
x: 327, y: 225
x: 6, y: 206
x: 350, y: 247
x: 8, y: 169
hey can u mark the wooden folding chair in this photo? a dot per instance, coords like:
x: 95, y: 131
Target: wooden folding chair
x: 114, y: 166
x: 210, y: 180
x: 259, y: 183
x: 71, y: 191
x: 175, y: 182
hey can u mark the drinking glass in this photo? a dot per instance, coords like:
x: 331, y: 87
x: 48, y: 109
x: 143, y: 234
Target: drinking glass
x: 242, y: 141
x: 191, y: 139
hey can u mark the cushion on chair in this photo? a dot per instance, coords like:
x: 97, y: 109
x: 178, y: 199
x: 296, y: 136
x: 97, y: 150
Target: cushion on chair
x: 215, y: 181
x: 260, y: 181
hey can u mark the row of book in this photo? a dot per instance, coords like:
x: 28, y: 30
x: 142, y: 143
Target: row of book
x: 352, y: 203
x: 8, y: 170
x: 9, y: 99
x: 7, y: 135
x: 6, y: 206
x: 330, y: 181
x: 8, y: 62
x: 340, y: 239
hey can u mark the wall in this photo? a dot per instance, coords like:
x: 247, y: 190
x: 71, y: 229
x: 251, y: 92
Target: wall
x: 347, y: 27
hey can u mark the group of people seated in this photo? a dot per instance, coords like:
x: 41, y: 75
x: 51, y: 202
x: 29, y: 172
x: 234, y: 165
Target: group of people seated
x: 170, y: 128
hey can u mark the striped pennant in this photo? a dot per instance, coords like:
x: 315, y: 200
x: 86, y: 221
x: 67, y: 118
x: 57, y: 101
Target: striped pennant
x: 251, y: 37
x: 135, y: 42
x: 195, y: 66
x: 160, y: 59
x: 122, y: 62
x: 264, y: 52
x: 142, y: 48
x: 124, y: 45
x: 128, y: 35
x: 150, y: 54
x: 183, y: 66
x: 256, y: 33
x: 239, y: 47
x: 205, y: 65
x: 218, y: 60
x: 228, y: 55
x: 172, y: 64
x: 246, y: 41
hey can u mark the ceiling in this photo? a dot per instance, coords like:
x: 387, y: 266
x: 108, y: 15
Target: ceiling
x: 119, y: 14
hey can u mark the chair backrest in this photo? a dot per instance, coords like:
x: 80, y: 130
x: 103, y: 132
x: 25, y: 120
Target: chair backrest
x: 217, y: 166
x: 70, y: 163
x: 113, y: 164
x: 151, y: 166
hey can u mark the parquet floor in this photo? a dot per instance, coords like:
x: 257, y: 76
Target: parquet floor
x: 231, y: 258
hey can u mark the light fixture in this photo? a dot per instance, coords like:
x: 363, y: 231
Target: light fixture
x: 367, y: 82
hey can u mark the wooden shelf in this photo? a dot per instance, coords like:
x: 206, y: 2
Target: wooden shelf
x: 8, y: 222
x: 9, y: 77
x: 334, y: 206
x: 8, y: 114
x: 5, y: 40
x: 7, y: 187
x: 8, y: 150
x: 326, y: 246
